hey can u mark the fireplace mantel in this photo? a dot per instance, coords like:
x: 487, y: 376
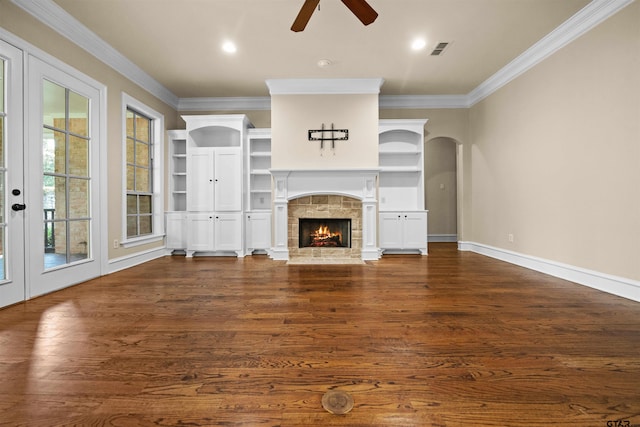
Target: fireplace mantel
x: 293, y: 183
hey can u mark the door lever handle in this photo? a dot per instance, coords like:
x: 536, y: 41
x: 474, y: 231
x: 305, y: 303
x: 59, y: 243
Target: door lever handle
x: 18, y: 207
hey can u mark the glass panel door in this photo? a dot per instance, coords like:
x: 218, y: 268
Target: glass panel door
x: 12, y: 207
x: 64, y: 157
x: 66, y: 180
x: 3, y: 172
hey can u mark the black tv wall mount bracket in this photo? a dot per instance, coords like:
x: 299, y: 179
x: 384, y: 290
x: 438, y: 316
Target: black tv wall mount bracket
x: 328, y: 134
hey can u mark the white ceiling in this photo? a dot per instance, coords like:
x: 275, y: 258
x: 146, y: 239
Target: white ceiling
x: 178, y: 42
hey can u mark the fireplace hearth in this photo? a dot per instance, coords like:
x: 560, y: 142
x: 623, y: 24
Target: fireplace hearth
x: 324, y: 233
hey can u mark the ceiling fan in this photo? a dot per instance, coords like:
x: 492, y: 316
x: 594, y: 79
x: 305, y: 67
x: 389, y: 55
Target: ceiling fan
x: 360, y: 8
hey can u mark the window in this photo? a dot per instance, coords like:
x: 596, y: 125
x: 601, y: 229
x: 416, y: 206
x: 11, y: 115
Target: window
x: 143, y: 130
x: 139, y: 176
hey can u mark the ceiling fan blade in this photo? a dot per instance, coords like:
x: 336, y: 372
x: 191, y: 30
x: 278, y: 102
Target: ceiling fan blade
x: 362, y: 10
x: 304, y: 15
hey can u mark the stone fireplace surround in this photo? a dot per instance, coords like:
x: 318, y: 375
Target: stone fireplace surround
x: 324, y: 206
x: 297, y: 187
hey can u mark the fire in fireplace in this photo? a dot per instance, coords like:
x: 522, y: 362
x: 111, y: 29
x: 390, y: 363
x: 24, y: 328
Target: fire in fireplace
x: 324, y: 232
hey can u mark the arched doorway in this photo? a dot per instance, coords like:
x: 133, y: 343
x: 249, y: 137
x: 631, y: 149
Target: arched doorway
x: 441, y: 188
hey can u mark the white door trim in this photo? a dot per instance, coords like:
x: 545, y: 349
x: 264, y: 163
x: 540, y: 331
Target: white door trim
x: 12, y: 283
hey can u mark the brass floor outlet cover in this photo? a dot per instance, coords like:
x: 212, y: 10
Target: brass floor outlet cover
x: 337, y: 402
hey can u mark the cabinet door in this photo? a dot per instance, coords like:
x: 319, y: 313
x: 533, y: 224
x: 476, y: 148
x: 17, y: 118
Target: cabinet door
x: 415, y: 230
x: 200, y: 229
x: 228, y: 232
x: 258, y: 231
x: 200, y: 187
x: 391, y: 230
x: 176, y: 231
x: 228, y: 180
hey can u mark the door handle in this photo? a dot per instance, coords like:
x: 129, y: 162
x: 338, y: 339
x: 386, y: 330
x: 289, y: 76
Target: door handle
x: 18, y: 207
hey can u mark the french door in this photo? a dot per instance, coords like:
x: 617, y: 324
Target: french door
x: 63, y: 201
x: 49, y: 177
x: 12, y: 213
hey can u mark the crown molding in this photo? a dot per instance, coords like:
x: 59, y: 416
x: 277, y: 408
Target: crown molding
x: 324, y: 86
x: 59, y: 20
x: 225, y: 103
x: 264, y: 103
x: 585, y: 19
x: 424, y: 101
x: 52, y: 15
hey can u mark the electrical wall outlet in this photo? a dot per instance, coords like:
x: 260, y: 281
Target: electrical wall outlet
x: 510, y: 237
x: 116, y: 244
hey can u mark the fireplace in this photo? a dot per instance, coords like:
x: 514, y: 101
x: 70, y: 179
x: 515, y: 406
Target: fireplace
x: 325, y: 194
x: 324, y: 232
x: 325, y: 228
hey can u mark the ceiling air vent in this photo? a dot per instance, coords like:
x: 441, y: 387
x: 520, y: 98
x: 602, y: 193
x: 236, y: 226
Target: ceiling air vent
x: 439, y: 48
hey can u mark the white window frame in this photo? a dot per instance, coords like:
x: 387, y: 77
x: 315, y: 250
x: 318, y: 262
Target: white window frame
x: 157, y: 132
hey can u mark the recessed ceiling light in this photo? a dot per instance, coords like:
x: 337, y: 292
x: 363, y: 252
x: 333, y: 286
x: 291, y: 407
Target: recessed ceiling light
x: 418, y: 44
x: 229, y: 47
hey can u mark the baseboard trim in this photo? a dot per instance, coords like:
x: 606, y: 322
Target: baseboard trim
x: 138, y: 258
x: 437, y: 238
x: 615, y: 285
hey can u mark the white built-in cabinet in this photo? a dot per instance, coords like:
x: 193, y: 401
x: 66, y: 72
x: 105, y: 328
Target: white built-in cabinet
x: 178, y: 170
x: 402, y: 214
x: 403, y: 230
x: 258, y: 215
x: 258, y: 232
x: 214, y: 232
x: 221, y: 186
x: 176, y: 216
x: 215, y: 183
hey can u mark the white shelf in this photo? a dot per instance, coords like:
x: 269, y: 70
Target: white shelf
x: 401, y: 162
x: 216, y: 131
x: 178, y: 170
x: 400, y: 169
x: 384, y: 151
x: 259, y: 162
x: 260, y: 172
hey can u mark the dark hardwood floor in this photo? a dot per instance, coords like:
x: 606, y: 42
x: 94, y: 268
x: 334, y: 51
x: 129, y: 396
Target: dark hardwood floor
x: 452, y: 339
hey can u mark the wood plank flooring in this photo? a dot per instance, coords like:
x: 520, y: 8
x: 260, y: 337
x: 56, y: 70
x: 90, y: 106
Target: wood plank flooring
x: 452, y: 339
